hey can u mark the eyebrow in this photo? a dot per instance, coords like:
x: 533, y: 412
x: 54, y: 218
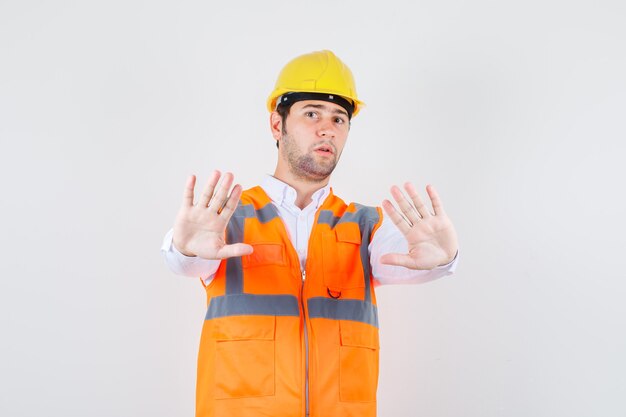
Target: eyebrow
x: 323, y: 107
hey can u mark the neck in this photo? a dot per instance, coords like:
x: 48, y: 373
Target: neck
x: 304, y: 187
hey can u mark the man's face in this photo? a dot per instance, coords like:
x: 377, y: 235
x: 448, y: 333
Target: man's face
x: 313, y: 137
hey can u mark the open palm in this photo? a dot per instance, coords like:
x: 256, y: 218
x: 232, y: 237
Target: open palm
x: 431, y: 237
x: 199, y: 229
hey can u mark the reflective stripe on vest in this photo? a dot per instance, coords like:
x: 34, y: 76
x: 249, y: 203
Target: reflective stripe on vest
x: 355, y: 310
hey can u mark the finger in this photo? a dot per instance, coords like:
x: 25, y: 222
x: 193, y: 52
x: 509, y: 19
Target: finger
x: 398, y: 259
x: 221, y: 195
x: 396, y: 218
x: 188, y: 193
x: 435, y: 200
x: 209, y: 188
x: 231, y: 204
x: 407, y: 208
x: 236, y: 249
x: 417, y: 200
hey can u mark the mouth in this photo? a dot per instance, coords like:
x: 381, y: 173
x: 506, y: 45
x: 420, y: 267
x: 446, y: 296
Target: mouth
x: 324, y: 150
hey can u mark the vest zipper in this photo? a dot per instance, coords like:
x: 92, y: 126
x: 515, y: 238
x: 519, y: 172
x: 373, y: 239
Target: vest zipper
x: 306, y: 350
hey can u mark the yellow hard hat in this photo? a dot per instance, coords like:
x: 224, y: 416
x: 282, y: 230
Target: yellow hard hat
x: 317, y: 72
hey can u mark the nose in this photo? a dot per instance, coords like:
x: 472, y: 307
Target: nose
x: 326, y: 129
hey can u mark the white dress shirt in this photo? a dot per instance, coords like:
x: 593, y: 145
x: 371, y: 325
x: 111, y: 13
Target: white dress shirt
x: 299, y: 222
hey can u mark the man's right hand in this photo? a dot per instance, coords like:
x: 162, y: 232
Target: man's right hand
x: 199, y: 229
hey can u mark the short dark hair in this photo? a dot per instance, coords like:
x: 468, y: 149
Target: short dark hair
x: 283, y: 111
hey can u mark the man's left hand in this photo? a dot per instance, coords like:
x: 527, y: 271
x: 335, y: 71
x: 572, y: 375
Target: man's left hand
x: 431, y: 236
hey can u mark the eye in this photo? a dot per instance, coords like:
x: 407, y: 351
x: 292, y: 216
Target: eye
x: 339, y: 120
x: 310, y: 114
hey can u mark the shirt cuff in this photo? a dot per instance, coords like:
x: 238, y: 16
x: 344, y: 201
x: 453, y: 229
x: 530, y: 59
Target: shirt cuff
x: 450, y: 265
x: 191, y: 266
x: 168, y: 246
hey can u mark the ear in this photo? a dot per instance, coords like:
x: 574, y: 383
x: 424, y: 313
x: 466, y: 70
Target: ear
x: 276, y: 125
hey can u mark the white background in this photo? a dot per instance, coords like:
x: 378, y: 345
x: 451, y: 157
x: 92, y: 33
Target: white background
x: 515, y: 111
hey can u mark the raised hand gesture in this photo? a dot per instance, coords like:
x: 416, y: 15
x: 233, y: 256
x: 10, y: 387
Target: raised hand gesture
x: 431, y: 236
x: 199, y: 229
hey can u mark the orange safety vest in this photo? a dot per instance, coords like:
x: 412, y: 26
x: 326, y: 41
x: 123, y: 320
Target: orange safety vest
x: 278, y: 345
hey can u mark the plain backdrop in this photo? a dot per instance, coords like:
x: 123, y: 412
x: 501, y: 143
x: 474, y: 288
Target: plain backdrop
x: 514, y: 110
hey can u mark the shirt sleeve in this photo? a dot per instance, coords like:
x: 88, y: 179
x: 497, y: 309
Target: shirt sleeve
x: 191, y: 266
x: 388, y: 239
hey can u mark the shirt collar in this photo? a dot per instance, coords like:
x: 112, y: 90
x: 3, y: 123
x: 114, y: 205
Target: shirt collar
x: 280, y: 192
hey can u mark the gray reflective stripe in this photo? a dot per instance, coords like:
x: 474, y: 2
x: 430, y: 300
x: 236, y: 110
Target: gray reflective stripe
x: 264, y: 214
x: 253, y: 305
x: 354, y: 310
x: 366, y: 218
x: 363, y: 214
x: 327, y: 217
x: 234, y: 268
x: 234, y: 234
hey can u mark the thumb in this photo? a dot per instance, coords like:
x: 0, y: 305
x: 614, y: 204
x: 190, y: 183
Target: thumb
x: 397, y: 259
x: 234, y: 250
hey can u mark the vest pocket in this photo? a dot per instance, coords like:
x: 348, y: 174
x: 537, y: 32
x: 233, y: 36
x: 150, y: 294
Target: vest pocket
x: 244, y: 357
x: 342, y: 258
x: 358, y: 362
x: 265, y: 254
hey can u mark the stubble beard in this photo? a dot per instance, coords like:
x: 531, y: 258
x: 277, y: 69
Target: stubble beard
x: 304, y: 165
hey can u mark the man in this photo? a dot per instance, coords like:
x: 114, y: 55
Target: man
x: 289, y: 268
